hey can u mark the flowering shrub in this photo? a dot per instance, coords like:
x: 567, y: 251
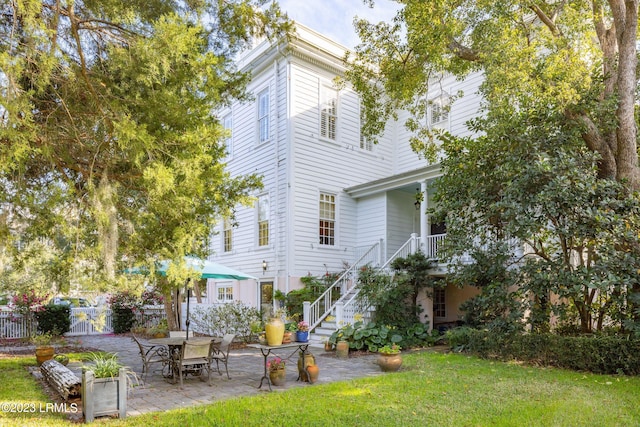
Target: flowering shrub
x: 303, y: 326
x: 27, y: 305
x: 152, y: 297
x: 275, y: 363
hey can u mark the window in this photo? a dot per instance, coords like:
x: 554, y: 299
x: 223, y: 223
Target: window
x: 227, y: 235
x: 225, y: 292
x: 263, y: 220
x: 228, y: 142
x: 327, y: 229
x: 263, y: 116
x: 439, y: 308
x: 440, y: 110
x: 328, y: 112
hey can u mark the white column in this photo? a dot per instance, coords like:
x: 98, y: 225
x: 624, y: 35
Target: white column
x: 424, y: 218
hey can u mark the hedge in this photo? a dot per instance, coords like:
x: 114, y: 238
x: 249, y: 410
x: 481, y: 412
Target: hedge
x: 598, y: 353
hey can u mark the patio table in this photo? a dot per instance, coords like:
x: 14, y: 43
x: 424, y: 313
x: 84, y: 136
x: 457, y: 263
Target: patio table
x: 267, y: 349
x: 174, y: 345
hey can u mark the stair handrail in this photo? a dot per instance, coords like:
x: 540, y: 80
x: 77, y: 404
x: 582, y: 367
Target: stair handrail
x: 325, y: 300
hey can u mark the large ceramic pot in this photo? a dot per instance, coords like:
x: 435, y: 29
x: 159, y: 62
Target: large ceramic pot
x: 309, y: 360
x: 342, y: 349
x: 44, y: 353
x: 278, y: 376
x: 302, y: 336
x: 274, y: 330
x: 390, y: 362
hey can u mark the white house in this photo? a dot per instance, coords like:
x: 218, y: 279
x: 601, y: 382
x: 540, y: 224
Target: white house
x: 329, y: 195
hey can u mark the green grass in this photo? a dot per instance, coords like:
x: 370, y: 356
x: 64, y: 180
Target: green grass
x: 431, y: 389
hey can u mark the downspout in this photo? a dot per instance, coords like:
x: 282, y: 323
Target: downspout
x: 289, y: 241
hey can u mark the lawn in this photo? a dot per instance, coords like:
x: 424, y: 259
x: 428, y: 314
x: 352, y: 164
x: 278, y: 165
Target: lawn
x: 431, y: 389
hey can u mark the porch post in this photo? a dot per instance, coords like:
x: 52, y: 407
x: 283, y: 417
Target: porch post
x: 424, y: 218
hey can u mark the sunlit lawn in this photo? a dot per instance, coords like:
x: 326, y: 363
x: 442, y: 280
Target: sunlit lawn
x: 432, y: 389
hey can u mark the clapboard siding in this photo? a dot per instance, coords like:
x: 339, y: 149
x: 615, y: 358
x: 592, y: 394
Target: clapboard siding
x: 297, y: 165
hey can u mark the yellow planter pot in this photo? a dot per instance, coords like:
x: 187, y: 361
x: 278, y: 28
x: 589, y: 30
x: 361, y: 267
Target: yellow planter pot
x: 274, y: 331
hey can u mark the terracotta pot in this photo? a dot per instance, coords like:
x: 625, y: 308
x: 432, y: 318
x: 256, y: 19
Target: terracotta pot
x: 342, y: 349
x: 328, y: 346
x: 313, y: 371
x: 44, y: 353
x: 278, y: 377
x: 390, y: 362
x: 286, y: 337
x: 274, y: 330
x: 309, y: 360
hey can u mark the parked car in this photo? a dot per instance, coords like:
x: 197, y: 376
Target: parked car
x: 70, y: 301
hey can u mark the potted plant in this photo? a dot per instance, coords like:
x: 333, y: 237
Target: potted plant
x: 289, y: 332
x: 44, y: 349
x: 104, y: 387
x: 389, y: 358
x: 277, y: 373
x: 302, y: 333
x: 160, y: 330
x: 274, y: 328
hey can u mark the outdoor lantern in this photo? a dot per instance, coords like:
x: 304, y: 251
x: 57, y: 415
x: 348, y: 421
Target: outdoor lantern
x: 264, y: 266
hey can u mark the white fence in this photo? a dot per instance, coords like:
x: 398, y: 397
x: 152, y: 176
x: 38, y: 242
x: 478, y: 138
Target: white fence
x: 84, y: 321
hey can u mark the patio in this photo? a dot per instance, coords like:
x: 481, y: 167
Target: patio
x: 245, y: 369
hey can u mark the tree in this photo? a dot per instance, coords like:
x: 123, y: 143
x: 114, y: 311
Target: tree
x: 109, y: 146
x: 559, y: 83
x: 540, y: 190
x: 579, y: 58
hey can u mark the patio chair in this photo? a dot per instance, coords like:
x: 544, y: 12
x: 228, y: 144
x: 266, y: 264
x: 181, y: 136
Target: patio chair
x: 221, y: 353
x: 151, y: 354
x: 194, y: 359
x: 180, y: 334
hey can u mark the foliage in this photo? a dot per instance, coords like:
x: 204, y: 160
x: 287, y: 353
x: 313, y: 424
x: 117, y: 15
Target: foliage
x: 152, y: 297
x: 542, y: 195
x: 110, y: 152
x: 390, y: 349
x: 313, y: 288
x: 218, y: 320
x: 42, y: 340
x: 54, y: 319
x: 370, y: 336
x: 124, y: 306
x: 106, y: 365
x: 395, y: 299
x: 275, y: 363
x: 598, y: 353
x: 562, y: 57
x: 27, y: 305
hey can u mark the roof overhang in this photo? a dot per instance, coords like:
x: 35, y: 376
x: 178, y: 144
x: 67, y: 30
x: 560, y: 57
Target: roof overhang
x: 394, y: 182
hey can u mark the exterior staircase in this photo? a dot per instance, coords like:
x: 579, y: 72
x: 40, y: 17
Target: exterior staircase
x: 328, y: 313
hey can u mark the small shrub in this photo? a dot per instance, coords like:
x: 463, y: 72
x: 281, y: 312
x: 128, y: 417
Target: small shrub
x: 235, y: 317
x: 54, y: 319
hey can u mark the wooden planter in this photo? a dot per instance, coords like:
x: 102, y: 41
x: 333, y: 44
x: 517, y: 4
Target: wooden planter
x: 104, y: 396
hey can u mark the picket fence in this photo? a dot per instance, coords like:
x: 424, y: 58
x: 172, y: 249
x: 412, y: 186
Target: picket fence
x: 84, y: 321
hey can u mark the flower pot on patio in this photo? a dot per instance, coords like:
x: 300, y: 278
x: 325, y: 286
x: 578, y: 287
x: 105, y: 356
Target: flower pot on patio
x: 278, y: 376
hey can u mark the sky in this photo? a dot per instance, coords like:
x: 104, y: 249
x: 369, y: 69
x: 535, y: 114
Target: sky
x: 334, y: 18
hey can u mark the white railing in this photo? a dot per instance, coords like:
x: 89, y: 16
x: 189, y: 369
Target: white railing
x: 12, y: 325
x: 315, y: 312
x: 346, y: 311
